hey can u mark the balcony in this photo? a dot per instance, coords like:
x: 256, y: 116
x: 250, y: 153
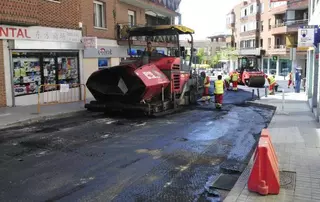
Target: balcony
x: 249, y: 18
x: 249, y: 33
x: 167, y: 8
x: 283, y: 50
x: 288, y: 26
x: 251, y: 51
x: 279, y: 10
x: 157, y: 41
x: 298, y: 4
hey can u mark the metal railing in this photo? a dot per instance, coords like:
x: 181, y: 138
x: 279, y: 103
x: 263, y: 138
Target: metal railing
x: 279, y: 47
x: 290, y: 23
x: 60, y: 93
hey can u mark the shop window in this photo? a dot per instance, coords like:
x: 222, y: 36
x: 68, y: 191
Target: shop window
x: 265, y: 65
x: 273, y: 66
x: 285, y: 67
x: 68, y: 70
x: 103, y: 63
x: 31, y: 70
x: 26, y: 73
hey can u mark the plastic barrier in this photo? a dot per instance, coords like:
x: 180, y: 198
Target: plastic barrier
x: 264, y: 177
x: 51, y: 94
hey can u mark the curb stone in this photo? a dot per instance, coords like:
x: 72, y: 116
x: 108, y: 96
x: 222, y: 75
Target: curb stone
x: 258, y: 104
x: 39, y: 119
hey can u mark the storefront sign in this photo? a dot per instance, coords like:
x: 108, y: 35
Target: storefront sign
x: 106, y: 52
x: 90, y: 42
x: 40, y: 34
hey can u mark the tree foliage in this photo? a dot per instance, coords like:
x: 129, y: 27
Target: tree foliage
x: 201, y: 55
x: 225, y: 54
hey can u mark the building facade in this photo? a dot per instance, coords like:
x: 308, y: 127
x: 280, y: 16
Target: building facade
x: 269, y: 31
x: 40, y: 44
x: 312, y: 79
x: 109, y: 22
x: 210, y: 47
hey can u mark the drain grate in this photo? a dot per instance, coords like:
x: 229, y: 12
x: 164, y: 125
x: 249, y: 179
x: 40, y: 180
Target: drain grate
x: 225, y: 182
x: 287, y: 180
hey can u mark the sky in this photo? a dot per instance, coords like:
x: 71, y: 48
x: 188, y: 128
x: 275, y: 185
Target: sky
x: 206, y: 17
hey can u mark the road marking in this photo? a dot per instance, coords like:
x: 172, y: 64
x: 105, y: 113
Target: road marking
x: 7, y: 114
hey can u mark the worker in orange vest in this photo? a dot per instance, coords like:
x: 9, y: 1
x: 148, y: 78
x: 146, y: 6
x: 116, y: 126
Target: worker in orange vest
x: 206, y: 85
x: 290, y: 80
x: 272, y: 83
x: 234, y: 79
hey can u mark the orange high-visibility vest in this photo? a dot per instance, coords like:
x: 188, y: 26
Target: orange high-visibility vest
x: 207, y: 82
x: 235, y: 76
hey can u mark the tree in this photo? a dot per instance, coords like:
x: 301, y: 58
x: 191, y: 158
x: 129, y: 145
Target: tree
x: 201, y: 55
x: 225, y: 54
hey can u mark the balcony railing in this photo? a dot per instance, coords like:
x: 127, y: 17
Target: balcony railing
x: 291, y: 23
x: 279, y: 47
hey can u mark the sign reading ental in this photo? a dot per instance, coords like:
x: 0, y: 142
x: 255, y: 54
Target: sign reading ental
x: 40, y: 34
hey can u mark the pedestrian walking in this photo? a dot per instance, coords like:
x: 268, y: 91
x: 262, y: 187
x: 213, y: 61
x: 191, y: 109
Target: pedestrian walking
x: 297, y: 80
x: 290, y: 82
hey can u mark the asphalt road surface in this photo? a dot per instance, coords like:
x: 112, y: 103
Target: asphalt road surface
x: 91, y: 157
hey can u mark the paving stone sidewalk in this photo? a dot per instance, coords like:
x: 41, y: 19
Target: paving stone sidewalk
x: 296, y: 138
x: 11, y: 116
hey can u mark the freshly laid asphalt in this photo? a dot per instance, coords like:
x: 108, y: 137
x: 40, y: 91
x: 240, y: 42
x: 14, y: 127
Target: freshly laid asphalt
x: 92, y: 157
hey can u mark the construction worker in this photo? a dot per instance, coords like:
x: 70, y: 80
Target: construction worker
x: 272, y: 82
x: 206, y: 85
x: 227, y: 82
x: 219, y: 91
x: 290, y: 80
x: 234, y: 79
x: 149, y: 49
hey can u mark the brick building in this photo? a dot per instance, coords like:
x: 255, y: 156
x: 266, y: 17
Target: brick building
x: 40, y: 43
x: 109, y: 22
x: 41, y: 40
x: 268, y: 31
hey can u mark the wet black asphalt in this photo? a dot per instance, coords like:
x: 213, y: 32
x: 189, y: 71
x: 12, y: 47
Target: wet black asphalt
x: 91, y: 157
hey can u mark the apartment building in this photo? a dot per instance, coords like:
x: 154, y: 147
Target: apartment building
x: 210, y: 47
x: 268, y: 30
x: 40, y: 43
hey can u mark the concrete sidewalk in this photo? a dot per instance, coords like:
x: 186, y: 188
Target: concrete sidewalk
x: 11, y: 116
x: 296, y: 138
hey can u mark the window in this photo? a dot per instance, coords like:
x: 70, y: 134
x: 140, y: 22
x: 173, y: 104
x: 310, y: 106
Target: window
x: 251, y: 9
x: 262, y: 7
x: 132, y: 18
x: 269, y: 43
x: 99, y: 14
x: 269, y: 24
x: 261, y: 26
x: 261, y: 43
x: 245, y: 12
x: 31, y: 70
